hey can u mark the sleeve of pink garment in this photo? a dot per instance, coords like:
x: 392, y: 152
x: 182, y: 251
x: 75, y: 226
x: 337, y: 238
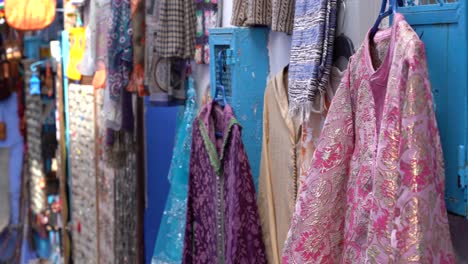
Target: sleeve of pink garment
x: 316, y: 230
x: 355, y: 208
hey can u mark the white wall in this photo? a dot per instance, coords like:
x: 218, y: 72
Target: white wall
x: 359, y: 16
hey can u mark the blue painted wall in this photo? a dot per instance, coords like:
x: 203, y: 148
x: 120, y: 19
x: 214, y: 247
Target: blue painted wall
x: 14, y: 141
x: 160, y: 125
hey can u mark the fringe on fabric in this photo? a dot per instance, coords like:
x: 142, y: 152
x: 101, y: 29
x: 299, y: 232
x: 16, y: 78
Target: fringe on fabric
x: 311, y: 56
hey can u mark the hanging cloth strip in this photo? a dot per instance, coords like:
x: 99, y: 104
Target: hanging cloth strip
x: 311, y: 55
x: 175, y: 30
x: 120, y: 61
x: 170, y: 241
x: 278, y: 14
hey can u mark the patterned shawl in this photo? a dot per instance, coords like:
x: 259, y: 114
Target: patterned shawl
x: 277, y: 14
x: 311, y: 54
x: 222, y: 225
x: 120, y: 61
x: 374, y: 192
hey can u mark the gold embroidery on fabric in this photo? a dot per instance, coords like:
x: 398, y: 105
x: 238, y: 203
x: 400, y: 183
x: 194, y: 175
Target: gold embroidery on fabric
x: 416, y: 101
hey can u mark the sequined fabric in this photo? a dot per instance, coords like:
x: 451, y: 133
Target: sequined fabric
x: 223, y: 225
x: 375, y: 188
x: 170, y: 240
x: 125, y: 204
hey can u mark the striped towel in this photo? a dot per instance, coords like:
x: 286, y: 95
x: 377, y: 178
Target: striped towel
x: 311, y: 54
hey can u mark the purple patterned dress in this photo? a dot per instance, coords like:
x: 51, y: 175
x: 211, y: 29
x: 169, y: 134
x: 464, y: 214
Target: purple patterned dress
x: 223, y: 225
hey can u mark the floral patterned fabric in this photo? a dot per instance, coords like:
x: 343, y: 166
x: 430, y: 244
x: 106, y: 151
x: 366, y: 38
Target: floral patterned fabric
x: 375, y: 188
x: 120, y: 61
x: 223, y: 225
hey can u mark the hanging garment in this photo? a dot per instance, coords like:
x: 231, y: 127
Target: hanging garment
x: 88, y: 63
x: 120, y: 61
x: 277, y: 14
x: 164, y: 77
x: 279, y: 168
x: 311, y: 54
x: 77, y: 46
x: 170, y: 240
x: 375, y: 189
x: 136, y: 83
x: 103, y: 23
x: 175, y: 30
x: 313, y: 124
x: 223, y: 225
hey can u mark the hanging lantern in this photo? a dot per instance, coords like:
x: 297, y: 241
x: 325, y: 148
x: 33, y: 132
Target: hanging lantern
x: 34, y: 85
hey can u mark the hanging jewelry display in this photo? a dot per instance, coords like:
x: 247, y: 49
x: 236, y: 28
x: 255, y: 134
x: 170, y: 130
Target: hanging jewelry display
x: 34, y: 131
x: 83, y: 173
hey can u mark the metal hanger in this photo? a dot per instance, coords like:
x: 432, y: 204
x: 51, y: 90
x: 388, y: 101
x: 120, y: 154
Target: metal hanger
x: 383, y: 14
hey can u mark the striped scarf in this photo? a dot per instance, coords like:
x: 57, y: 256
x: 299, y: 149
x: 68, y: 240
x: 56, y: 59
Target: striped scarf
x: 311, y: 55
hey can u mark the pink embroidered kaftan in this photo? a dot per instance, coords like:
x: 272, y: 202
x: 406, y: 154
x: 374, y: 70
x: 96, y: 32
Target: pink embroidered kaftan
x: 375, y: 188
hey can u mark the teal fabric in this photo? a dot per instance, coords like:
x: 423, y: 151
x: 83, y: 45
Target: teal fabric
x: 169, y: 243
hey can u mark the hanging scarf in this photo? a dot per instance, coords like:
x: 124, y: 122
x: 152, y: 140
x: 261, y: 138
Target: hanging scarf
x: 175, y: 30
x: 120, y: 61
x: 311, y: 54
x: 170, y: 241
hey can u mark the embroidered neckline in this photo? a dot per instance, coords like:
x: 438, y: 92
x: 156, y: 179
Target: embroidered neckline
x: 215, y: 158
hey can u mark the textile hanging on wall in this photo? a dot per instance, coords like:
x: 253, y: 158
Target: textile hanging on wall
x: 311, y: 54
x: 164, y: 77
x: 120, y: 62
x: 103, y: 23
x: 136, y: 84
x: 206, y: 14
x: 175, y: 30
x: 222, y: 214
x: 83, y: 173
x: 88, y: 63
x: 106, y: 178
x: 170, y: 240
x: 125, y: 204
x: 375, y: 188
x: 277, y: 14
